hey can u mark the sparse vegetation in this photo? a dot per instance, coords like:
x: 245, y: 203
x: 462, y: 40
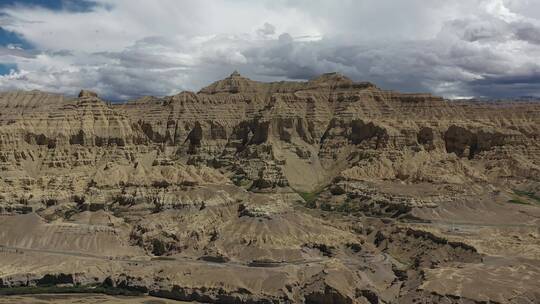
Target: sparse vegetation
x: 524, y: 197
x: 68, y: 289
x: 241, y: 181
x: 529, y: 194
x: 163, y: 258
x: 308, y: 196
x: 518, y: 201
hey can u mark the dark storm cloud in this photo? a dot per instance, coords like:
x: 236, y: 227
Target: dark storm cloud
x: 533, y: 78
x: 528, y: 32
x: 508, y: 86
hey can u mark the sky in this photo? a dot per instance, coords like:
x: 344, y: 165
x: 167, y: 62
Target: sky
x: 125, y: 49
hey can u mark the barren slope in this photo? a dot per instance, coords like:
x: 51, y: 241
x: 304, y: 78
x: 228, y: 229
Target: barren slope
x: 326, y: 191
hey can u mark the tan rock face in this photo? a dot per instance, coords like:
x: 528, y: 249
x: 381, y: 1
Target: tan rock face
x: 212, y: 181
x: 323, y: 125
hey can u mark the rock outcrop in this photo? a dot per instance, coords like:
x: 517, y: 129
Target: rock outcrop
x: 233, y: 179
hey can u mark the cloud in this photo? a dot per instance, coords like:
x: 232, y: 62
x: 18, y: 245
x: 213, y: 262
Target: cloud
x: 508, y: 86
x: 125, y: 49
x: 267, y: 30
x: 528, y: 32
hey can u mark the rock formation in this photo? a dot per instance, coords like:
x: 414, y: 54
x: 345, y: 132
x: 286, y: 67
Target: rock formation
x: 325, y: 191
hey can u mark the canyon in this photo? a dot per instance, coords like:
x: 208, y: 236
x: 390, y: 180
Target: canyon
x: 323, y: 191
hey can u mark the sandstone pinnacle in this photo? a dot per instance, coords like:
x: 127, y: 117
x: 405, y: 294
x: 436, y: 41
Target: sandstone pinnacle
x: 87, y: 94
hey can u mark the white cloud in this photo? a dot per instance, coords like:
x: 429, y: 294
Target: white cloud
x: 128, y: 48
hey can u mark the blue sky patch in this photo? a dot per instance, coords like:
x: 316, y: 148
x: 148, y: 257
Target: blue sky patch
x: 5, y: 68
x: 69, y: 5
x: 7, y: 37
